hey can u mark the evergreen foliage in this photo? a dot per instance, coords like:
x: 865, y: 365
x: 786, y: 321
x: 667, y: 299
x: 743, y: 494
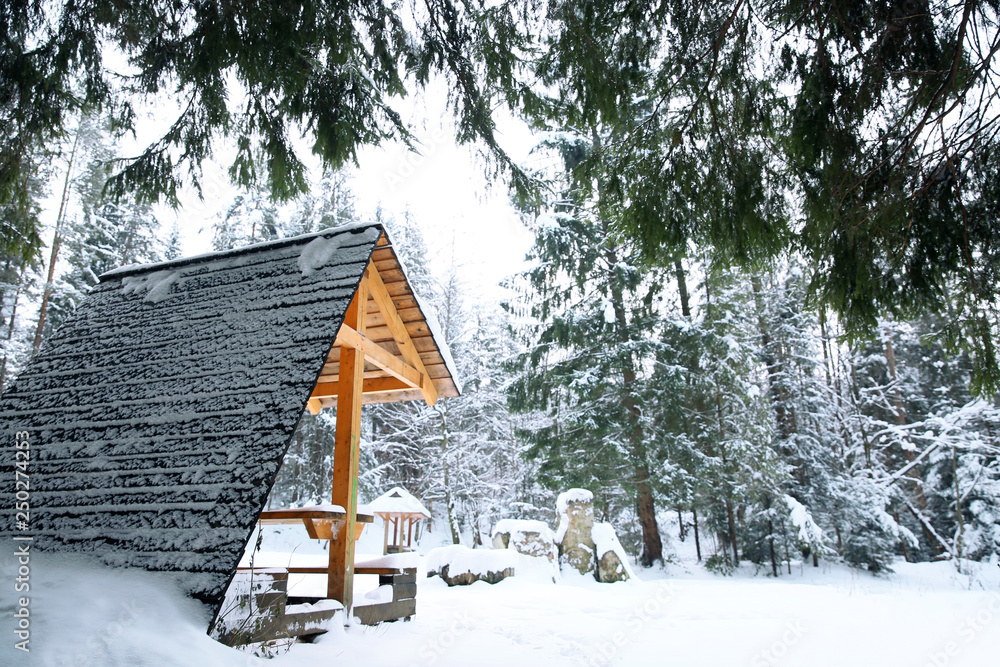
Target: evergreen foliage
x: 332, y: 69
x: 860, y: 136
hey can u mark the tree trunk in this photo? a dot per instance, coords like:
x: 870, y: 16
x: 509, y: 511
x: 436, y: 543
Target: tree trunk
x: 902, y: 542
x: 652, y: 546
x: 682, y: 287
x: 449, y: 500
x: 43, y: 309
x: 770, y: 540
x: 729, y: 502
x: 697, y: 540
x: 732, y: 531
x: 774, y: 365
x: 959, y: 534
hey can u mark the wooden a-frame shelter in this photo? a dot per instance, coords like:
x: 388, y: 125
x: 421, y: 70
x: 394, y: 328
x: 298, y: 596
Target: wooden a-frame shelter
x: 160, y: 412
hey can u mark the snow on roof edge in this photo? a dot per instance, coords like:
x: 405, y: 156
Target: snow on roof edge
x: 130, y: 269
x: 430, y: 316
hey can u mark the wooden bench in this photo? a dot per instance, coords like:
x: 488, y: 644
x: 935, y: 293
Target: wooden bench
x: 264, y: 614
x: 280, y: 615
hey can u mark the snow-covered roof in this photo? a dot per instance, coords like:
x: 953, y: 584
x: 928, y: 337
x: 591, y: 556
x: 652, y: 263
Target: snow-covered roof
x: 398, y: 500
x: 159, y: 413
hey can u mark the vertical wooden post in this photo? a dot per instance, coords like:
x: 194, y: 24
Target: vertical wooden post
x: 340, y: 578
x: 385, y: 538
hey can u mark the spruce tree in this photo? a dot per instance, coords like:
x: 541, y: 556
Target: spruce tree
x: 590, y: 315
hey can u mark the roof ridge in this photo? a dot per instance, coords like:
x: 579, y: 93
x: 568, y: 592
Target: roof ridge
x: 133, y: 269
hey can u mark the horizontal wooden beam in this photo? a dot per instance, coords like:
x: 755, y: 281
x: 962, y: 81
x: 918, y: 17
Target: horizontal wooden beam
x: 373, y: 386
x: 379, y: 356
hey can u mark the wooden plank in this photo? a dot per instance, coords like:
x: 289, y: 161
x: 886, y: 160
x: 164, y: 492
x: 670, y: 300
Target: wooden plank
x: 398, y: 287
x: 314, y: 406
x: 270, y: 626
x: 415, y: 329
x: 407, y: 315
x: 425, y: 346
x: 433, y: 363
x: 404, y: 591
x: 399, y: 333
x: 308, y: 570
x: 307, y: 623
x: 437, y: 371
x: 429, y: 357
x: 373, y: 614
x: 394, y: 571
x: 394, y: 397
x: 383, y: 254
x: 390, y: 266
x: 402, y: 302
x: 297, y: 515
x: 331, y: 372
x: 409, y: 577
x: 387, y: 397
x: 393, y: 275
x: 347, y: 435
x: 349, y: 338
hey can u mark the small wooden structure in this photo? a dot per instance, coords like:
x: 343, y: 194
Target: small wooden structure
x: 159, y: 414
x: 399, y: 509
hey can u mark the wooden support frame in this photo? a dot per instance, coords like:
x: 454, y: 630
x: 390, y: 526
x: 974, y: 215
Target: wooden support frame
x: 399, y: 334
x: 407, y: 378
x: 378, y: 355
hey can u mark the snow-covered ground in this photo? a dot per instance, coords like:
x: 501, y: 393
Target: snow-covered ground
x: 924, y: 615
x: 835, y: 617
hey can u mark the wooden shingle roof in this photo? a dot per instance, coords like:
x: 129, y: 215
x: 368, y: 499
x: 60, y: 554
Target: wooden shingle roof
x: 159, y: 414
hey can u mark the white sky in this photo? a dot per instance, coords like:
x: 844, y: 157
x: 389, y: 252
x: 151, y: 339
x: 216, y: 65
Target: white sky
x: 445, y: 189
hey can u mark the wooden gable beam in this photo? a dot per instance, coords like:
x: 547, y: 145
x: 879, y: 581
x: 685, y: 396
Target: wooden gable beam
x: 397, y: 328
x: 379, y: 356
